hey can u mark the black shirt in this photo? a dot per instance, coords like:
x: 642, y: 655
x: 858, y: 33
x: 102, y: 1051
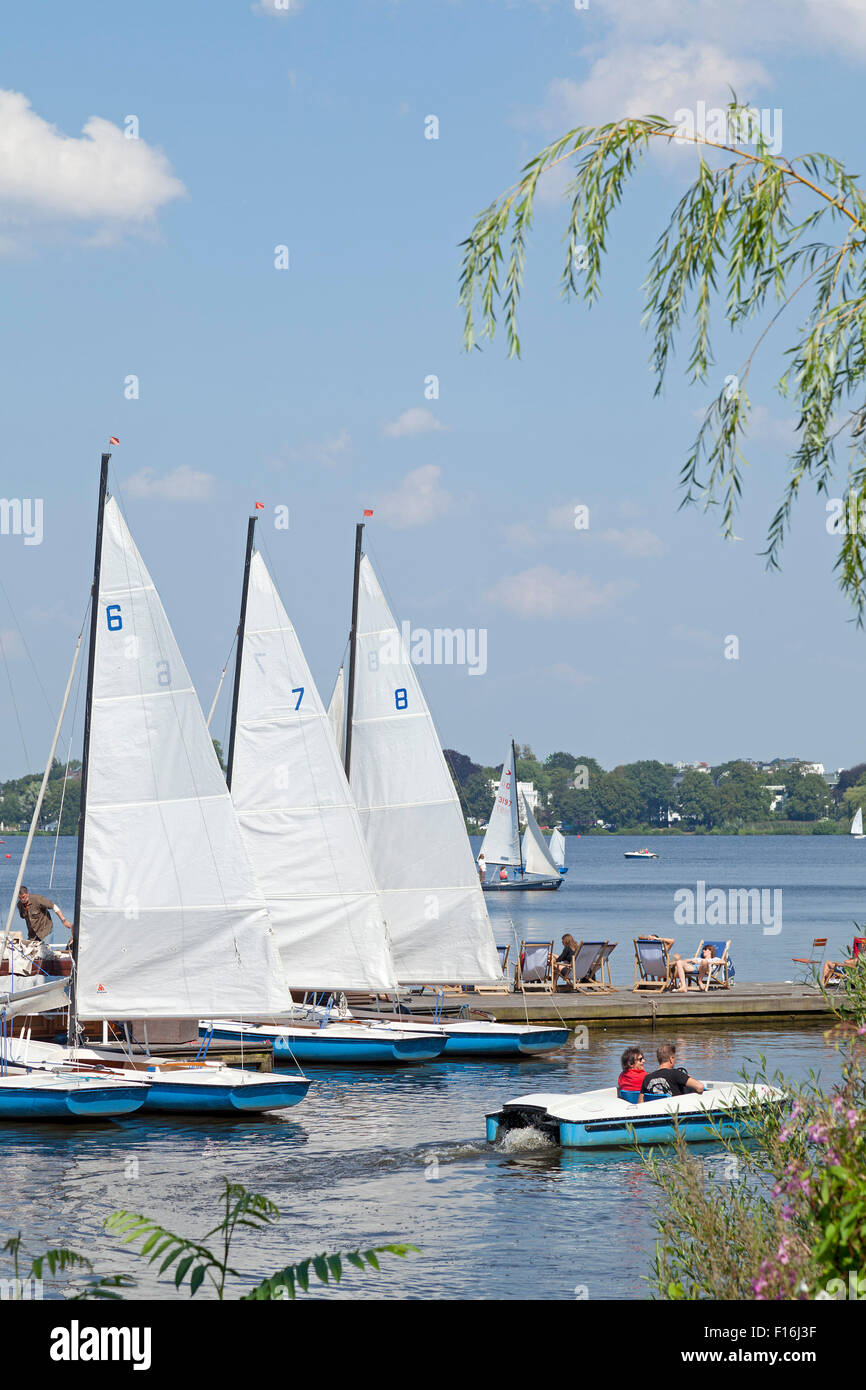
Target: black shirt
x: 666, y: 1081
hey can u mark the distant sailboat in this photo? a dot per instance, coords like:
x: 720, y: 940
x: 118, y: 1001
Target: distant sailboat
x: 416, y: 834
x: 857, y: 824
x: 501, y: 848
x: 556, y: 846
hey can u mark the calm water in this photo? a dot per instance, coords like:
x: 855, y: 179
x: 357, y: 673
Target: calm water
x: 372, y: 1157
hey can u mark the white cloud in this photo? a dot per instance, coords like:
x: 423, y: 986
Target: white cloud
x: 324, y: 453
x: 562, y: 516
x: 183, y: 484
x: 633, y: 541
x: 567, y: 675
x: 543, y: 592
x: 417, y: 420
x: 10, y: 643
x: 100, y: 177
x: 418, y: 500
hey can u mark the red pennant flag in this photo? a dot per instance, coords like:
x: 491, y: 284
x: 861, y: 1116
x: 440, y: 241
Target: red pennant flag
x: 114, y: 440
x: 368, y: 511
x: 260, y: 506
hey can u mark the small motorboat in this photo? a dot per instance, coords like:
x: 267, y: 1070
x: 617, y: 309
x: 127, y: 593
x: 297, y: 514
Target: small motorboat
x: 604, y: 1119
x: 639, y: 854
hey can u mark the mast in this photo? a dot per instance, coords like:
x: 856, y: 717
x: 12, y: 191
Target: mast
x: 350, y: 699
x: 517, y: 804
x: 239, y: 656
x: 85, y: 751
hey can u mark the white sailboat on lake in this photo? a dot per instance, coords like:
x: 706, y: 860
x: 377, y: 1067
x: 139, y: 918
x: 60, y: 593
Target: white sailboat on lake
x: 531, y: 865
x: 306, y: 844
x: 857, y: 824
x: 170, y: 921
x: 415, y: 831
x: 556, y: 845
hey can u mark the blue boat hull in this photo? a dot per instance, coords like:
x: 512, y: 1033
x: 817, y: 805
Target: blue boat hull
x: 481, y: 1046
x: 613, y: 1134
x: 224, y: 1100
x: 340, y: 1051
x: 86, y: 1104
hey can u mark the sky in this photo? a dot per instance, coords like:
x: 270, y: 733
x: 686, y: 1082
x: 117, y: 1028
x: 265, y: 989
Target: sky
x: 226, y: 239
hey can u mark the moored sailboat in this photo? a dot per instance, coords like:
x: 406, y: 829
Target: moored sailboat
x: 170, y: 922
x: 421, y: 856
x: 306, y: 845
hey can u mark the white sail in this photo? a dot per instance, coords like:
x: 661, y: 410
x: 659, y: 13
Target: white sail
x: 422, y: 859
x: 857, y: 822
x: 536, y: 855
x: 337, y: 714
x: 299, y: 822
x: 172, y: 921
x: 556, y: 845
x: 501, y: 844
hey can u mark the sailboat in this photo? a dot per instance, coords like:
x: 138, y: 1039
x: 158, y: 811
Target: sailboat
x: 415, y: 831
x: 857, y: 824
x: 305, y: 842
x: 501, y: 848
x: 556, y: 845
x: 170, y: 922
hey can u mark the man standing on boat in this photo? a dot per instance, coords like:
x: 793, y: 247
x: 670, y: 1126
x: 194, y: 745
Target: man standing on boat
x: 668, y: 1079
x: 36, y: 912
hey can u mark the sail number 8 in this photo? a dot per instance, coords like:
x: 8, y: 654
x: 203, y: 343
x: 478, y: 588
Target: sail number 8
x: 401, y: 698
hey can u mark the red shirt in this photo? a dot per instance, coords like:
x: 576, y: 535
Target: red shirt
x: 631, y: 1080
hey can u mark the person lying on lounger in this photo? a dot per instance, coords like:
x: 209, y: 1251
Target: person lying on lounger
x: 835, y: 967
x: 696, y: 965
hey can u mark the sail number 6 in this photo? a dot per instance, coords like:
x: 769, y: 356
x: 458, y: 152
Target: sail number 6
x: 113, y: 617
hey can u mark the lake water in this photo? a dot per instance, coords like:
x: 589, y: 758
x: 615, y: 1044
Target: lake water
x: 371, y: 1157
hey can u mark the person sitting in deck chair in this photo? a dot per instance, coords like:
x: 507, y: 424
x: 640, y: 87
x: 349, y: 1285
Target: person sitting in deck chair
x: 695, y: 966
x: 563, y: 962
x: 835, y: 967
x: 633, y: 1070
x: 668, y: 1079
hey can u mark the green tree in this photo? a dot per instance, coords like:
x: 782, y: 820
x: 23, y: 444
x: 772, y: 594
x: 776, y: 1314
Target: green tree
x: 698, y: 799
x: 743, y: 796
x: 751, y: 229
x: 808, y: 798
x: 566, y: 761
x: 618, y: 799
x: 655, y: 782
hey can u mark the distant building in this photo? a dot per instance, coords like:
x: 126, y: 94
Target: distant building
x: 692, y: 767
x: 816, y: 769
x: 779, y: 795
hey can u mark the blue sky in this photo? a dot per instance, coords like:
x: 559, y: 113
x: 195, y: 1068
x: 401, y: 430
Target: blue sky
x: 154, y: 258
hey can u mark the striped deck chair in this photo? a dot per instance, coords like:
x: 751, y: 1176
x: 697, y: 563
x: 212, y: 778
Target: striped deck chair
x: 652, y: 969
x: 535, y: 966
x: 583, y: 969
x: 719, y: 973
x: 504, y: 953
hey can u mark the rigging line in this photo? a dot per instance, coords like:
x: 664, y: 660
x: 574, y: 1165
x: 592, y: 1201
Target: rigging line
x: 14, y: 702
x: 225, y: 667
x: 20, y: 631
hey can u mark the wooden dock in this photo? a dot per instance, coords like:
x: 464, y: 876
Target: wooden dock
x: 744, y: 1003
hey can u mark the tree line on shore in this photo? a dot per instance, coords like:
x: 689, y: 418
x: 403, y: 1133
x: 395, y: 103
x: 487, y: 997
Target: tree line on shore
x: 576, y: 792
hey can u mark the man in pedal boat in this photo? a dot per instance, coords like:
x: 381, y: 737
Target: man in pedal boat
x: 668, y: 1079
x: 36, y: 912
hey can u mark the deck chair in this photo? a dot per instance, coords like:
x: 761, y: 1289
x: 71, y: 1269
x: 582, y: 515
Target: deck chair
x: 504, y: 953
x: 535, y: 966
x: 584, y: 967
x: 719, y: 972
x: 858, y: 950
x: 813, y: 962
x: 609, y: 948
x: 652, y: 969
